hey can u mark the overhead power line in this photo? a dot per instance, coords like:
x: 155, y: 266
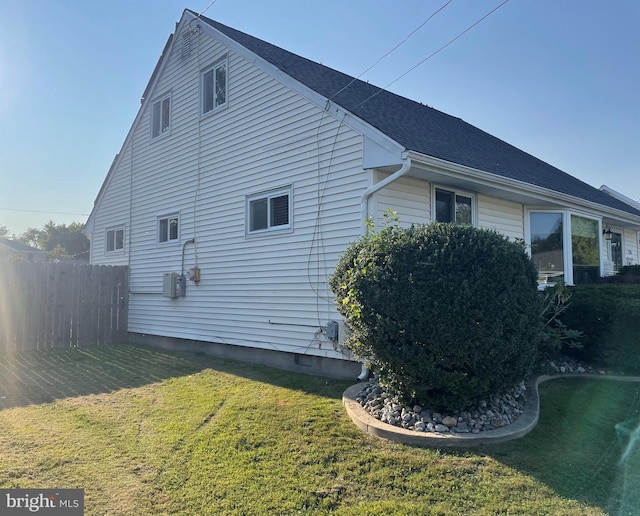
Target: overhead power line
x: 46, y: 212
x: 393, y: 49
x: 432, y: 54
x: 206, y: 8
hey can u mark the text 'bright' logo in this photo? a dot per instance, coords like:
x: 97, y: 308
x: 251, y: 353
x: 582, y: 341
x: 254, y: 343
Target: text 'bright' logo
x: 69, y: 502
x: 34, y: 504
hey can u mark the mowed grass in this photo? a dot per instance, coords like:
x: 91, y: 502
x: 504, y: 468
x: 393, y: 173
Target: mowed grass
x: 145, y: 431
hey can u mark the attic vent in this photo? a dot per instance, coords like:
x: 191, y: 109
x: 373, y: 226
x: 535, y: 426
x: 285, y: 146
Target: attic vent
x: 186, y: 44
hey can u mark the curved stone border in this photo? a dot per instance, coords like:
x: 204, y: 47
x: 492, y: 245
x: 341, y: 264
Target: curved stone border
x: 519, y: 428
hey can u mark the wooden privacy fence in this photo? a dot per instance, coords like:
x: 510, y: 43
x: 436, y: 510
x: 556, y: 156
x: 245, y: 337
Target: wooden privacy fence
x: 59, y: 305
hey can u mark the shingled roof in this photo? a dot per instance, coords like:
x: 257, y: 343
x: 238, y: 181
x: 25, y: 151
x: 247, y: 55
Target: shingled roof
x: 19, y: 247
x: 421, y: 128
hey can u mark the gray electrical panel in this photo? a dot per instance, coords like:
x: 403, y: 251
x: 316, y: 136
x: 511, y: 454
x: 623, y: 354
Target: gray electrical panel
x: 174, y: 285
x: 332, y: 331
x: 169, y: 281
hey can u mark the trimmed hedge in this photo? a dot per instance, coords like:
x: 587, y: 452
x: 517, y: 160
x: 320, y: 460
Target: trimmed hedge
x: 609, y: 317
x: 629, y: 270
x: 446, y: 314
x: 628, y: 274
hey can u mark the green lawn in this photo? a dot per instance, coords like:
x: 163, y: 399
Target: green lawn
x: 152, y: 432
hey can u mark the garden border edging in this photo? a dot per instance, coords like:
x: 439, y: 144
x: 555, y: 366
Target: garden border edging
x: 519, y: 428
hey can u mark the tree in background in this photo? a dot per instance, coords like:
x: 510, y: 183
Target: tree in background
x: 61, y: 240
x: 31, y: 237
x: 68, y: 238
x: 4, y: 232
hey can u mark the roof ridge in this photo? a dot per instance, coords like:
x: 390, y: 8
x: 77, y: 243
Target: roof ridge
x: 419, y: 127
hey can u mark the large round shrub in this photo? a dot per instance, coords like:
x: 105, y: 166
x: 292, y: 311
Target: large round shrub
x: 446, y: 314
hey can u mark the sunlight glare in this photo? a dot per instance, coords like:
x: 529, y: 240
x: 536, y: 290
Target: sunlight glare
x: 628, y: 434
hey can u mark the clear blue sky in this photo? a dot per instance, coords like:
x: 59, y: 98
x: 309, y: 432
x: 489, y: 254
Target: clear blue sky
x: 559, y: 79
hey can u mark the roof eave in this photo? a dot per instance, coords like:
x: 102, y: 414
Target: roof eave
x: 522, y: 188
x: 144, y: 100
x: 620, y: 196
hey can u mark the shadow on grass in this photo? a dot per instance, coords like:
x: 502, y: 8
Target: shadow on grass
x: 586, y: 444
x: 43, y: 376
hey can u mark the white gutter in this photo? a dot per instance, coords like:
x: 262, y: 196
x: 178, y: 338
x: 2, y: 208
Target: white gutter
x: 520, y: 187
x: 620, y: 197
x: 364, y: 200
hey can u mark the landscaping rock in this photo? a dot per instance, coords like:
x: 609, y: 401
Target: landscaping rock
x: 450, y: 421
x: 496, y: 411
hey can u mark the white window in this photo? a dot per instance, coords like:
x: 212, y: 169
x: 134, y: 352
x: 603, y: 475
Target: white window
x: 161, y: 116
x: 214, y: 87
x: 269, y: 211
x: 452, y: 206
x: 115, y: 239
x: 565, y: 247
x: 546, y: 230
x: 168, y: 228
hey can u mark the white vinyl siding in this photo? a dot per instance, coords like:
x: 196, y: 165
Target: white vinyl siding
x: 113, y: 210
x: 259, y: 292
x: 269, y: 292
x: 410, y: 198
x: 614, y: 250
x: 630, y: 247
x: 503, y: 216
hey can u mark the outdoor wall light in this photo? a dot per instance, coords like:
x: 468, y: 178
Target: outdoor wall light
x: 608, y: 235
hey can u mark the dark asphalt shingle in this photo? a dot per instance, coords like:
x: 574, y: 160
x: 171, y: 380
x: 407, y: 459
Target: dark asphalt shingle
x: 421, y: 128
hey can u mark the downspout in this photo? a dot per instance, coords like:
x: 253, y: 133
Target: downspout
x: 364, y: 200
x: 364, y: 213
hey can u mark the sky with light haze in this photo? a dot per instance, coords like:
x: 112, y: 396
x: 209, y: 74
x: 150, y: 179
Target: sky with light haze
x: 558, y: 79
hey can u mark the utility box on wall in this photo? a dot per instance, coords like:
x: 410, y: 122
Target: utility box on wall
x: 332, y: 331
x: 169, y: 282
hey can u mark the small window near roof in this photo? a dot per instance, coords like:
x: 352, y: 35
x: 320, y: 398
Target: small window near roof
x: 269, y: 211
x: 161, y: 117
x: 214, y: 87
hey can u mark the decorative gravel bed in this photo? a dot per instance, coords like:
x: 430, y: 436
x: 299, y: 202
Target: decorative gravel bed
x: 495, y: 412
